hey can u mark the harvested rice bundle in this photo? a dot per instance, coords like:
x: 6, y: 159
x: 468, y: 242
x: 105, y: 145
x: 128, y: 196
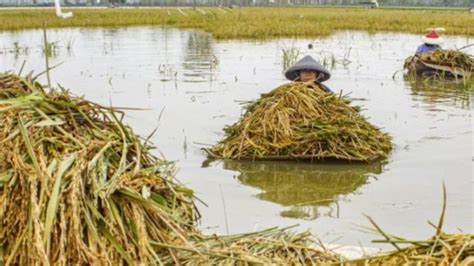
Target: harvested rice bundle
x: 449, y: 58
x: 77, y: 186
x: 299, y: 121
x: 441, y: 63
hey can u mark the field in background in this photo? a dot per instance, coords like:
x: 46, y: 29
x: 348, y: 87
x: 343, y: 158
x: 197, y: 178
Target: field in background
x: 251, y: 22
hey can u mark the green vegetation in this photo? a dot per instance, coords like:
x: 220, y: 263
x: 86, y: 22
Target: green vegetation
x: 251, y: 22
x: 289, y: 56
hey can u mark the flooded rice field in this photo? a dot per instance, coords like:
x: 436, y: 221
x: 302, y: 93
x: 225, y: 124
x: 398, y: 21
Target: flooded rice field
x: 190, y: 86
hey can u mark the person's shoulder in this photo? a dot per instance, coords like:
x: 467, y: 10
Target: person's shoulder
x: 421, y: 48
x: 324, y: 87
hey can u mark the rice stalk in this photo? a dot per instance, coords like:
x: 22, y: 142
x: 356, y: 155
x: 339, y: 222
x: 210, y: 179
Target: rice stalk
x: 441, y: 249
x: 289, y: 56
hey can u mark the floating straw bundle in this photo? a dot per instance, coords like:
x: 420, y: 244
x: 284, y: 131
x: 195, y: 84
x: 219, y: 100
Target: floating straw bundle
x: 300, y: 121
x: 77, y: 186
x: 443, y: 64
x: 449, y: 58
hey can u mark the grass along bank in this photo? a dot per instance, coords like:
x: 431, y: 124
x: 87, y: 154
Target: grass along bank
x: 252, y: 22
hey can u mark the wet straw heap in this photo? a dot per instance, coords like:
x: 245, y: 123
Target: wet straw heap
x: 298, y: 121
x: 77, y: 186
x: 443, y: 63
x: 450, y: 58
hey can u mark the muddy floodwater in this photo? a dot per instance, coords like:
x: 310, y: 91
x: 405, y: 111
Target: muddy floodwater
x: 190, y: 86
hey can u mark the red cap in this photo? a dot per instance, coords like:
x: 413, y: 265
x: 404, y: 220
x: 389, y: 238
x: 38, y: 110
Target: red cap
x: 432, y: 38
x: 432, y: 35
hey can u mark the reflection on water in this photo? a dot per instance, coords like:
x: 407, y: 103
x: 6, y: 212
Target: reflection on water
x: 435, y: 92
x: 199, y: 64
x: 307, y: 191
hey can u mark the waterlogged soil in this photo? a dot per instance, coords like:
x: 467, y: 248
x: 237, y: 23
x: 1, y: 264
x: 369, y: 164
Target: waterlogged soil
x: 190, y: 86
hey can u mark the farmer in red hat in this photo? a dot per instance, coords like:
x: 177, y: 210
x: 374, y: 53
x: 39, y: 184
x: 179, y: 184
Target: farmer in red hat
x: 432, y: 41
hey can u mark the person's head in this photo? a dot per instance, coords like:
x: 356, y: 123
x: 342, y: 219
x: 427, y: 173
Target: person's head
x: 307, y: 75
x: 307, y: 69
x: 433, y: 38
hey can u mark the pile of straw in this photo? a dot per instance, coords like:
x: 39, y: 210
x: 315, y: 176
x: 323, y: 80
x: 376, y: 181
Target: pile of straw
x: 300, y: 121
x: 77, y: 186
x: 450, y: 58
x: 444, y: 64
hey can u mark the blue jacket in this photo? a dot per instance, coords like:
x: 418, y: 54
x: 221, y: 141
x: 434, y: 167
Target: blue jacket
x: 324, y: 87
x: 426, y: 48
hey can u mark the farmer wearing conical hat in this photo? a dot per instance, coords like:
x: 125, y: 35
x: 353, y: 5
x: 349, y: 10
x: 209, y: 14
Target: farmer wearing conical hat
x: 309, y: 70
x: 432, y: 41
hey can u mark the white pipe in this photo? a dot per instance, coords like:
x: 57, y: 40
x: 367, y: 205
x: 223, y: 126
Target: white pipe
x: 60, y: 13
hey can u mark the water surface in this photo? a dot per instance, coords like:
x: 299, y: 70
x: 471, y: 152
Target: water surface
x: 192, y: 86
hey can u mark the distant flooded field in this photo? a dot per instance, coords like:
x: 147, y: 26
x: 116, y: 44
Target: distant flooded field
x: 251, y: 22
